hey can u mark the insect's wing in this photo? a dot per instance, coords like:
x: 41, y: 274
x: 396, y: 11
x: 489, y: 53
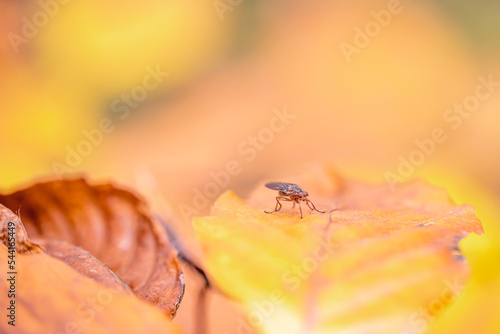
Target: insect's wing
x: 279, y: 186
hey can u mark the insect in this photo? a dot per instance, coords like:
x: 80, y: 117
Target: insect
x: 290, y: 192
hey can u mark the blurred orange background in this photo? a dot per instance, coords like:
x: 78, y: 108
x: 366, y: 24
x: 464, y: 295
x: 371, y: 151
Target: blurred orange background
x: 168, y: 97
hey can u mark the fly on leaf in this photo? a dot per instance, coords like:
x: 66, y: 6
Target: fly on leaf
x: 290, y: 192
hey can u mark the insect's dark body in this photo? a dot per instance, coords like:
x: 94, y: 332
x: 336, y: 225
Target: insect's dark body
x: 292, y: 193
x: 287, y: 189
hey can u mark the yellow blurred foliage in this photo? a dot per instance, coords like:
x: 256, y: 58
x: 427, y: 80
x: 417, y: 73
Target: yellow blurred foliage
x: 103, y: 48
x: 59, y: 79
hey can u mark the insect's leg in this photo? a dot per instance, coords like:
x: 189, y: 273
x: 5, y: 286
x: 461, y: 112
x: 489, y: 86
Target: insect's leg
x: 300, y: 207
x: 278, y: 204
x: 293, y: 206
x: 309, y: 203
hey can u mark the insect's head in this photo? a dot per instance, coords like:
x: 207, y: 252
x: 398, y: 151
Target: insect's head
x: 303, y: 194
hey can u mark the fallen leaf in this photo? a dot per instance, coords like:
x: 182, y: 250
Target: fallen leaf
x: 85, y: 226
x: 476, y: 309
x: 384, y: 262
x: 47, y: 296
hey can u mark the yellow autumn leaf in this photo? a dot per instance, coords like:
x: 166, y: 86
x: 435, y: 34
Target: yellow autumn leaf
x: 383, y: 262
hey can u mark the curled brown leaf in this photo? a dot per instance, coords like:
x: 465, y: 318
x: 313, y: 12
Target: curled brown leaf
x: 87, y: 226
x: 44, y: 295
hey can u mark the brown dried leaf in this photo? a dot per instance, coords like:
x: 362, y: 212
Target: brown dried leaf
x: 23, y: 245
x: 51, y: 297
x: 114, y: 226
